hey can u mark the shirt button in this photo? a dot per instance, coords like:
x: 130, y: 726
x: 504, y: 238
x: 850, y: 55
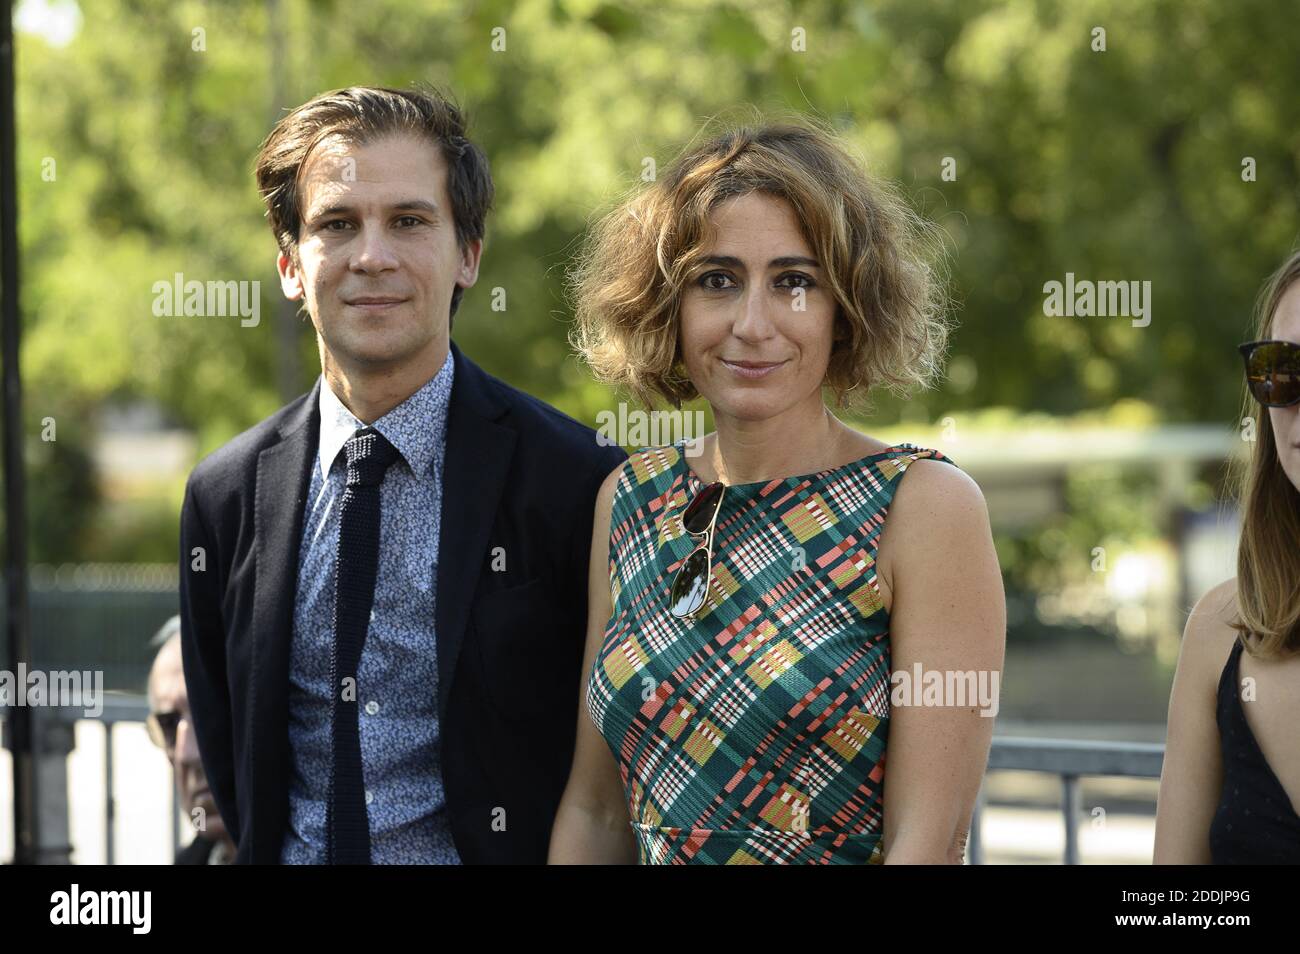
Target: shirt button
x: 372, y: 707
x: 370, y: 796
x: 372, y: 616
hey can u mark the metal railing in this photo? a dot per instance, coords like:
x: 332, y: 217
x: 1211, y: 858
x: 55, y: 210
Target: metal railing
x: 55, y: 732
x: 1071, y: 760
x: 127, y: 708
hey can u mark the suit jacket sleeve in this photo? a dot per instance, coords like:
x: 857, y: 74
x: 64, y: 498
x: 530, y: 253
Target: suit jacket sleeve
x: 203, y: 652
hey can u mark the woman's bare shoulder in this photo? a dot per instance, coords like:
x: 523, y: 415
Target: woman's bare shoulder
x: 938, y: 512
x: 936, y: 494
x: 1209, y: 634
x: 1212, y: 617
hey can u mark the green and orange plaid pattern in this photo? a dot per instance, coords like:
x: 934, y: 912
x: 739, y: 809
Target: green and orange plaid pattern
x: 756, y: 733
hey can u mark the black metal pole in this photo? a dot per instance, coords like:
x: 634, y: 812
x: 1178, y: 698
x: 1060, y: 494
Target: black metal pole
x: 26, y: 840
x: 286, y: 311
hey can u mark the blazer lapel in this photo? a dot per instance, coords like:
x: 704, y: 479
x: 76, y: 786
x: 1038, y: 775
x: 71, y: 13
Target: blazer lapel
x: 283, y: 475
x: 478, y: 456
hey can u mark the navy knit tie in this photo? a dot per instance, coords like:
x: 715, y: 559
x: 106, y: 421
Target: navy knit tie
x: 347, y: 827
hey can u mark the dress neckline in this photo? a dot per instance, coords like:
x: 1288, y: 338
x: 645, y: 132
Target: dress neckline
x: 691, y: 475
x: 1234, y: 666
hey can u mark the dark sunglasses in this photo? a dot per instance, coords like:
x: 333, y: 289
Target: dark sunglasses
x: 692, y: 583
x: 162, y: 728
x: 1272, y: 371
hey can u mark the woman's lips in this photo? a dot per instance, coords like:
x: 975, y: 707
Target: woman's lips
x: 751, y: 369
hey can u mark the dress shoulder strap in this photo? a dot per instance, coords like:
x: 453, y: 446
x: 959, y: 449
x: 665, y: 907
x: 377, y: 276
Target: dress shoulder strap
x: 1228, y: 694
x: 900, y: 456
x: 887, y: 468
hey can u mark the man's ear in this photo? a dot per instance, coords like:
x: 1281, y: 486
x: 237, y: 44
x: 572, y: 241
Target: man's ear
x: 290, y: 277
x: 470, y: 256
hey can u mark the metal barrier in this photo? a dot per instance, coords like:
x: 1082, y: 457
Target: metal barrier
x: 126, y: 708
x: 1071, y: 760
x: 54, y: 729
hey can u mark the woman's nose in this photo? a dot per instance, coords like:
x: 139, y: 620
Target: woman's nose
x: 754, y: 322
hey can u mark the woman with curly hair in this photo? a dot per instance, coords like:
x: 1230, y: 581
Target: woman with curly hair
x: 1230, y: 782
x: 749, y: 602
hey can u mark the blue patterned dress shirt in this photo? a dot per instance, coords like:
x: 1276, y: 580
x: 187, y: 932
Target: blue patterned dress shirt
x: 397, y: 680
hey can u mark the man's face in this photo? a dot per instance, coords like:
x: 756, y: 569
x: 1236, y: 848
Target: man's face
x: 377, y: 253
x: 169, y: 696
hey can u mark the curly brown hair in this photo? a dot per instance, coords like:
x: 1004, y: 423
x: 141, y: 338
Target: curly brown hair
x: 885, y: 264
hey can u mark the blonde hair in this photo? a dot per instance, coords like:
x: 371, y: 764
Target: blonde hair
x: 882, y: 260
x: 1268, y: 563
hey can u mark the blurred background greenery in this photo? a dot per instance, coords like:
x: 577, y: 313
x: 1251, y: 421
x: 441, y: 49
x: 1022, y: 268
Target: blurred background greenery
x: 1171, y: 155
x: 1122, y: 164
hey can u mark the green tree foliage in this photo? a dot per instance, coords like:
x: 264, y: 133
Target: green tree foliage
x: 137, y: 139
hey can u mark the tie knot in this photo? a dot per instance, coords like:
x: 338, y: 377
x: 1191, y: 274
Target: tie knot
x: 369, y: 457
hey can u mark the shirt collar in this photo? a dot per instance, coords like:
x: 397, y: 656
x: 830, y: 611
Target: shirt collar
x: 416, y: 427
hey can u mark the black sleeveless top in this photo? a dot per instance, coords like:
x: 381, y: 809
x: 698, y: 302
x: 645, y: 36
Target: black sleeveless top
x: 1255, y: 823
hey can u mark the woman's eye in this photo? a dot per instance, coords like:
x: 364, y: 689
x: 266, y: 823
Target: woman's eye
x: 715, y: 280
x: 803, y: 281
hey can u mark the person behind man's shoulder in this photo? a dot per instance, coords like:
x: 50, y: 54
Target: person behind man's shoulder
x: 171, y: 728
x: 384, y: 583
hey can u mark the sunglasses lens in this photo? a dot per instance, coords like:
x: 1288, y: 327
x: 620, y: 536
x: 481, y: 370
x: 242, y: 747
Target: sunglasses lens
x: 1273, y: 373
x: 162, y: 728
x: 697, y: 517
x: 691, y: 585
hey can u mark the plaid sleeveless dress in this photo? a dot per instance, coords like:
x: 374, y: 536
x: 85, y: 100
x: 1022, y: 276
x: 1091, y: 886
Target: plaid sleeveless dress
x: 754, y: 734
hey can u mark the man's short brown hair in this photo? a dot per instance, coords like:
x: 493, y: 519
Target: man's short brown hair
x: 360, y: 115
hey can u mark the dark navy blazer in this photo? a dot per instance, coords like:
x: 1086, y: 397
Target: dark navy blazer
x: 518, y: 475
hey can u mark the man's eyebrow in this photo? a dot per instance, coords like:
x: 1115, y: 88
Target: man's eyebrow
x: 785, y: 261
x: 406, y: 205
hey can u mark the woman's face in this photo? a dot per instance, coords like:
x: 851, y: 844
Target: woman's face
x: 756, y: 317
x: 1286, y: 420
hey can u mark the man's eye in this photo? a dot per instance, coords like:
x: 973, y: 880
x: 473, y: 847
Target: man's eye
x: 329, y: 226
x: 411, y: 220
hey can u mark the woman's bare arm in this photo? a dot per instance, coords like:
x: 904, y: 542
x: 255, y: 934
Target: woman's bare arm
x: 1192, y: 775
x: 948, y: 614
x: 592, y: 825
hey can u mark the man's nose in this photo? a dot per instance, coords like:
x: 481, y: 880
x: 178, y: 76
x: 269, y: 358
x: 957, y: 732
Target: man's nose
x: 374, y: 251
x: 187, y: 743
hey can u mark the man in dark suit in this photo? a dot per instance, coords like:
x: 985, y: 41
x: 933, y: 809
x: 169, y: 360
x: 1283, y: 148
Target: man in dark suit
x: 383, y: 585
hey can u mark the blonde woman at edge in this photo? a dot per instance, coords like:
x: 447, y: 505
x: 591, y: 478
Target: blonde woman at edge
x: 750, y: 602
x: 1230, y: 785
